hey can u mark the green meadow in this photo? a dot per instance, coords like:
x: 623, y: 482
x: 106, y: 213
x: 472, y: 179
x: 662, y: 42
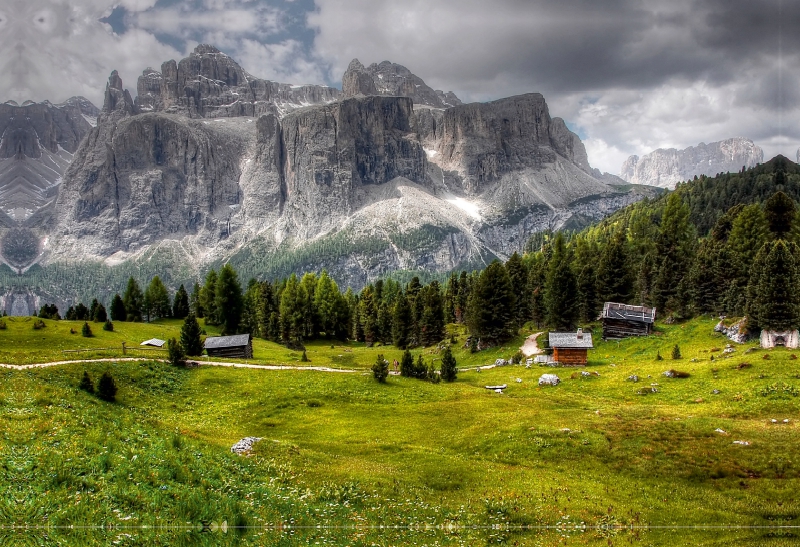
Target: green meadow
x: 599, y: 459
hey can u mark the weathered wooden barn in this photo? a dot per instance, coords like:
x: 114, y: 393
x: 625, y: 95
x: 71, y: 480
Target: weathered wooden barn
x: 240, y: 345
x: 622, y: 320
x: 571, y: 348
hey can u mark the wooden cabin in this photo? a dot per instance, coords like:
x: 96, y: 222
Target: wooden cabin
x: 240, y: 346
x: 622, y: 320
x: 571, y: 348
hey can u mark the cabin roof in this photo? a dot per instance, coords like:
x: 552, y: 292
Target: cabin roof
x: 625, y: 312
x: 154, y: 342
x: 570, y: 340
x: 219, y: 342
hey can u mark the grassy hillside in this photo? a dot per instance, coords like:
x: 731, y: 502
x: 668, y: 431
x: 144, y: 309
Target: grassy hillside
x: 341, y: 449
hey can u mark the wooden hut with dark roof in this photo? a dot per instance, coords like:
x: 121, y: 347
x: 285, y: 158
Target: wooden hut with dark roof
x: 240, y: 345
x: 622, y: 320
x: 571, y: 348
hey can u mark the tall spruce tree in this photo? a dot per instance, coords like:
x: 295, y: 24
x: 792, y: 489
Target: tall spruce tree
x: 156, y: 300
x: 491, y: 305
x: 208, y: 299
x: 118, y: 312
x: 291, y: 314
x: 190, y: 336
x: 675, y: 247
x: 195, y: 302
x: 431, y: 322
x: 561, y: 288
x: 368, y: 314
x: 133, y: 300
x: 401, y: 322
x: 228, y: 299
x: 449, y: 369
x: 613, y: 272
x: 777, y: 297
x: 180, y: 306
x: 518, y: 274
x: 780, y: 211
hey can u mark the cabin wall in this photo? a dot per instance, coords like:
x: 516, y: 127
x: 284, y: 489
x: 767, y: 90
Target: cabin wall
x: 617, y: 328
x: 571, y: 356
x: 244, y: 352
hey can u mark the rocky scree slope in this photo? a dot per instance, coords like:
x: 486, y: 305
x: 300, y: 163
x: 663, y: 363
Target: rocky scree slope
x: 362, y: 186
x: 667, y: 167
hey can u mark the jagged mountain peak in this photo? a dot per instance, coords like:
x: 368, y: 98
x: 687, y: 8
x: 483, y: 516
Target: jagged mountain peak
x: 392, y: 79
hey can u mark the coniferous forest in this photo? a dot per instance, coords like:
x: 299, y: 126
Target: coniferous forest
x: 724, y: 245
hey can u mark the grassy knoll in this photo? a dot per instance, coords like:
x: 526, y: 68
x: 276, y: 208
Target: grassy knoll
x: 341, y: 449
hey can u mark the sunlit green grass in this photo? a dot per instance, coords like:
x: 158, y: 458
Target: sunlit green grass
x: 343, y: 449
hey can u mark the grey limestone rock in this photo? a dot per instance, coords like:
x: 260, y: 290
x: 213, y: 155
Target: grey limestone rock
x: 391, y: 79
x: 210, y: 84
x: 667, y: 167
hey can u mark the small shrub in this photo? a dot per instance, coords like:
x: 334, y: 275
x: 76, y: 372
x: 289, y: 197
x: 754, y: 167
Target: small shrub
x: 433, y: 375
x: 473, y: 345
x: 380, y: 370
x: 314, y: 404
x: 672, y: 373
x: 766, y: 356
x: 304, y: 357
x: 177, y: 356
x: 86, y: 383
x: 108, y: 326
x: 3, y: 325
x: 676, y: 352
x: 107, y: 388
x: 658, y: 356
x: 38, y: 324
x: 517, y: 358
x: 743, y: 366
x: 407, y: 365
x: 86, y: 330
x: 420, y: 368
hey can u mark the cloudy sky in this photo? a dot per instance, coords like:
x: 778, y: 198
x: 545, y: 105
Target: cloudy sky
x: 628, y: 75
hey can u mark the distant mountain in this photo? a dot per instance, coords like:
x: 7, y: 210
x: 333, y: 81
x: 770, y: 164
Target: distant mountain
x: 393, y: 80
x: 667, y: 167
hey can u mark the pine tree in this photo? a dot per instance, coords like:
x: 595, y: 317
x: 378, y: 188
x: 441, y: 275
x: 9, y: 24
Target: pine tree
x: 86, y: 383
x: 675, y: 247
x: 156, y: 298
x: 195, y: 301
x: 93, y: 309
x: 100, y: 315
x: 86, y: 331
x: 450, y: 299
x: 190, y: 336
x: 536, y: 287
x: 401, y: 322
x: 228, y: 300
x: 368, y: 314
x: 107, y: 388
x: 326, y: 303
x: 176, y: 353
x: 118, y: 312
x: 491, y: 307
x: 777, y: 297
x: 108, y: 326
x: 518, y: 275
x: 133, y: 301
x: 613, y: 272
x: 676, y: 352
x: 208, y: 299
x: 380, y: 370
x: 180, y: 306
x: 561, y: 288
x: 588, y: 301
x: 780, y: 212
x: 308, y: 288
x: 291, y: 315
x: 407, y: 365
x: 449, y: 370
x: 431, y: 322
x: 420, y: 368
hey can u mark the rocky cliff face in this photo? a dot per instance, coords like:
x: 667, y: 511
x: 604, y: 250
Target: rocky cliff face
x: 667, y: 167
x: 137, y: 179
x: 362, y: 186
x: 209, y: 84
x: 391, y: 79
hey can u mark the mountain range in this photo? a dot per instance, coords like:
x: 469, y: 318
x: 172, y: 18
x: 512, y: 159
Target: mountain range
x: 209, y: 164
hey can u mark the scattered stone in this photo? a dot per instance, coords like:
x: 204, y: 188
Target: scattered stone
x: 720, y: 431
x: 498, y: 391
x: 749, y: 350
x: 740, y: 366
x: 549, y: 380
x: 245, y: 445
x: 735, y: 332
x: 565, y: 430
x: 500, y: 362
x: 693, y: 360
x: 728, y: 350
x: 672, y: 373
x: 633, y: 378
x: 786, y: 421
x: 715, y: 392
x: 519, y: 380
x: 774, y: 421
x: 698, y: 400
x: 743, y: 443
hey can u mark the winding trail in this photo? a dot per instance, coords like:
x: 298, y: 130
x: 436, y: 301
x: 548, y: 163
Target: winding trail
x: 195, y: 363
x: 530, y: 347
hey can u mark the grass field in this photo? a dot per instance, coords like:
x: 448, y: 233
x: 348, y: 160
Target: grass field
x: 341, y: 449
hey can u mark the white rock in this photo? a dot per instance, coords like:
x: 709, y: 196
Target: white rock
x: 549, y: 380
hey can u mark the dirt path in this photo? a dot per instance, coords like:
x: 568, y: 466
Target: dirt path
x: 196, y: 363
x: 530, y: 347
